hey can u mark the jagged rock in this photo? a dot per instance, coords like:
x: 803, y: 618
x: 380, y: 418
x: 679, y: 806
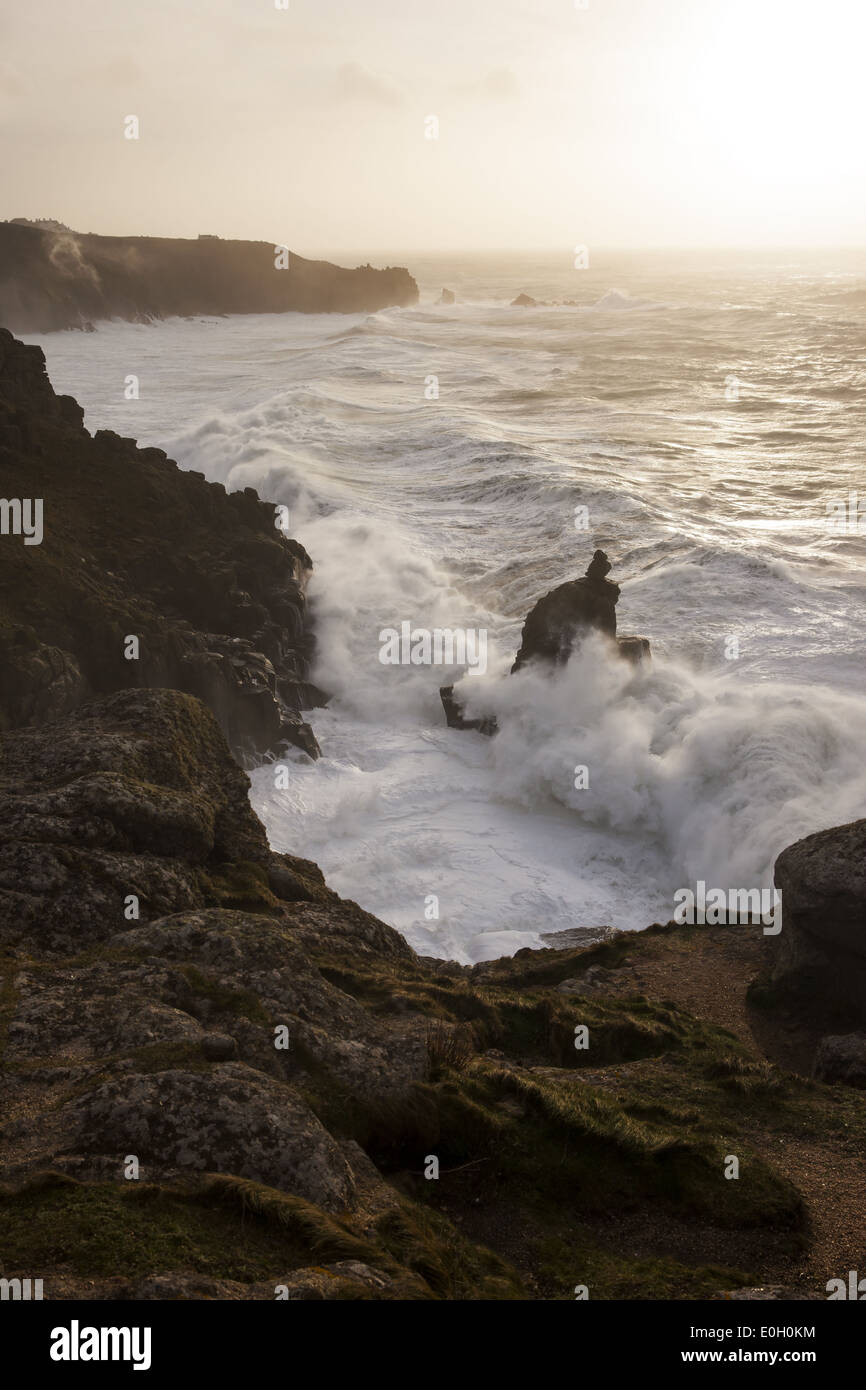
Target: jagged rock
x: 634, y: 649
x: 555, y: 627
x: 821, y: 949
x: 454, y: 714
x: 133, y: 795
x: 211, y: 590
x: 842, y: 1059
x: 558, y: 621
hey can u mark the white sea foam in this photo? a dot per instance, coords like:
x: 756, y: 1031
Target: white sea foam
x: 460, y: 512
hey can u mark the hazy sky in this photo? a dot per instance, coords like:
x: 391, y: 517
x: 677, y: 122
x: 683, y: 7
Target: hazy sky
x: 629, y: 123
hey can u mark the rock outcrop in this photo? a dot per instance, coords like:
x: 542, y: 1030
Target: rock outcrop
x: 52, y: 278
x: 555, y: 628
x: 526, y: 301
x: 145, y: 575
x: 559, y: 621
x: 842, y: 1059
x: 820, y: 952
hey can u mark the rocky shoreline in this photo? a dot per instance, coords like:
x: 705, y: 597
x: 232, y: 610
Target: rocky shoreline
x: 220, y: 1080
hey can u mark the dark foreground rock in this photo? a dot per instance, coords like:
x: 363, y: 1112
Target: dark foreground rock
x: 145, y: 575
x: 52, y: 278
x: 821, y: 951
x: 245, y: 1078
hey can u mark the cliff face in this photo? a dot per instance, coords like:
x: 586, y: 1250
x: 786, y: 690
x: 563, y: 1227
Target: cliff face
x: 56, y: 279
x: 220, y: 1080
x: 135, y: 548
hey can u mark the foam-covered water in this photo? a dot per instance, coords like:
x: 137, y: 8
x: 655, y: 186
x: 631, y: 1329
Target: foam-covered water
x: 705, y: 411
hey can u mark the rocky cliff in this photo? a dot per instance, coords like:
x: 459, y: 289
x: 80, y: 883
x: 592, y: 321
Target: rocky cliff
x: 220, y: 1080
x: 144, y: 575
x: 52, y: 279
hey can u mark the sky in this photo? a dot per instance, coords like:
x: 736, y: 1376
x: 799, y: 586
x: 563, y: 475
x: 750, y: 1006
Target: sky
x: 624, y: 123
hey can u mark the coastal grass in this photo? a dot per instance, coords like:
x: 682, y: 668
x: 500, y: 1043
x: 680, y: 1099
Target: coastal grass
x: 230, y: 1228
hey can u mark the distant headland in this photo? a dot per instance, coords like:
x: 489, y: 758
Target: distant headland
x: 52, y: 277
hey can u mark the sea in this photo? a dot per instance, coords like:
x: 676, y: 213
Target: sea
x: 700, y: 416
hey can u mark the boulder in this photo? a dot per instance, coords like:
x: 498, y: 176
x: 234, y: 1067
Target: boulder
x: 842, y: 1058
x: 229, y: 1120
x: 821, y: 950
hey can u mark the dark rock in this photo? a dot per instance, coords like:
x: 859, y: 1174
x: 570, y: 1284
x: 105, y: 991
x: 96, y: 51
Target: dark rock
x: 454, y: 716
x: 842, y: 1059
x: 558, y: 621
x: 634, y: 649
x: 135, y: 794
x: 219, y: 1047
x: 230, y: 1120
x: 211, y: 590
x: 821, y: 950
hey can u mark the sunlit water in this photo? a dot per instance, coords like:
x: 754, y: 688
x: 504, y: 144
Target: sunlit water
x: 707, y: 411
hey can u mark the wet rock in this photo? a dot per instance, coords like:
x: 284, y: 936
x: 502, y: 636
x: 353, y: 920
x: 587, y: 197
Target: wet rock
x: 558, y: 621
x: 634, y: 649
x: 454, y: 717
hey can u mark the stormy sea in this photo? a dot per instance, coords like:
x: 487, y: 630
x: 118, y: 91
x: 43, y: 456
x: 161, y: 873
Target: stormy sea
x: 694, y: 415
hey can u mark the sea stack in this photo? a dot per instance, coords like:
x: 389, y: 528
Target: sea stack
x: 559, y: 621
